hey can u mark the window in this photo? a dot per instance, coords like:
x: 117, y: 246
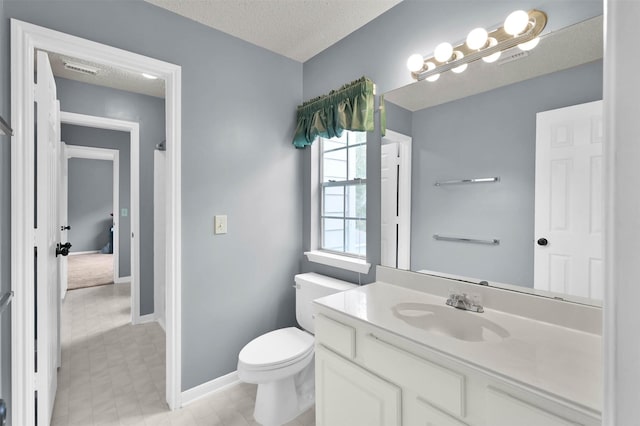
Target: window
x: 343, y: 204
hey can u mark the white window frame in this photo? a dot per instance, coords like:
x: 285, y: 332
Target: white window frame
x: 344, y: 184
x: 316, y: 254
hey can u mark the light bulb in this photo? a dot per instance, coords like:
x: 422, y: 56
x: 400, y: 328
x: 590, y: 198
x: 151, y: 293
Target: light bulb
x: 443, y: 52
x: 529, y: 44
x: 494, y: 56
x: 430, y: 65
x: 149, y: 76
x: 415, y: 62
x: 516, y: 22
x: 458, y: 55
x: 477, y: 38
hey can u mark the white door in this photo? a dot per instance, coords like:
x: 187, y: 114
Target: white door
x: 47, y: 237
x: 347, y: 395
x: 159, y: 226
x: 389, y: 203
x: 568, y: 201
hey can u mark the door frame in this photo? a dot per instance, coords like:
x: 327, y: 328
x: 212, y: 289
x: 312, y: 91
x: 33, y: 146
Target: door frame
x: 104, y: 154
x: 133, y: 129
x: 25, y: 39
x: 404, y: 195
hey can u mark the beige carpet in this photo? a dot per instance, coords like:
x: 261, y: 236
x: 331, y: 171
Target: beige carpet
x: 89, y: 270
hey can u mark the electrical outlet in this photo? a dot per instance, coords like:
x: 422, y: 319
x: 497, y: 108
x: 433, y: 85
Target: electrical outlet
x: 220, y: 224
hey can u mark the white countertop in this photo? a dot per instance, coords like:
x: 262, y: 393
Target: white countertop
x: 559, y: 361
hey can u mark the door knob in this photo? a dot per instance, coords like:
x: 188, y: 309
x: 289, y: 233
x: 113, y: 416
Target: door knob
x: 64, y: 228
x: 543, y: 242
x: 63, y: 249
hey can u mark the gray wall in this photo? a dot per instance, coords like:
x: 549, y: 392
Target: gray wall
x: 148, y: 111
x: 498, y: 138
x: 399, y: 119
x: 90, y: 203
x: 5, y: 211
x: 380, y: 50
x: 238, y: 116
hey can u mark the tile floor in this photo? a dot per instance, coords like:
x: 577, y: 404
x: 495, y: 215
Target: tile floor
x: 113, y: 373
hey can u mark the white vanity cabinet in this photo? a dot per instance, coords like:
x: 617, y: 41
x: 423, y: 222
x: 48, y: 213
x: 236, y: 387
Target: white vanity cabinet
x: 367, y: 376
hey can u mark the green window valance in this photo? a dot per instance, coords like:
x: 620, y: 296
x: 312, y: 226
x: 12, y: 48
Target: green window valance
x: 349, y: 108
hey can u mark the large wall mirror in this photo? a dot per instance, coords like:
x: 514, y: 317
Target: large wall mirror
x: 494, y: 175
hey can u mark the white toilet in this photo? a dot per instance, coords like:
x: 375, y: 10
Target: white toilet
x: 281, y: 362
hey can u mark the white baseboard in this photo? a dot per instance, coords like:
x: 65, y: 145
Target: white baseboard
x: 122, y: 280
x: 207, y: 388
x: 75, y: 253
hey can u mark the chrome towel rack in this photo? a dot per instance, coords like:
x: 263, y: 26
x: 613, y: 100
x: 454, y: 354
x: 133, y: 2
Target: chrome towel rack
x: 5, y: 301
x: 462, y: 181
x: 492, y: 241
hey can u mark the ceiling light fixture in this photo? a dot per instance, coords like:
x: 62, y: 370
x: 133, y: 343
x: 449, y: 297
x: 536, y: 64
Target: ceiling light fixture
x: 520, y: 29
x: 149, y: 76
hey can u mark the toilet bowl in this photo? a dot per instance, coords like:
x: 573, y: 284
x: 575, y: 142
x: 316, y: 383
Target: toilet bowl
x: 281, y: 362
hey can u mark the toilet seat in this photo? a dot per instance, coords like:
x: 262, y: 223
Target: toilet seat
x: 276, y: 349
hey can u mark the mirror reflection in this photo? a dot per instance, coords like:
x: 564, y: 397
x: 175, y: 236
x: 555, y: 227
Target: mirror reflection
x: 494, y: 175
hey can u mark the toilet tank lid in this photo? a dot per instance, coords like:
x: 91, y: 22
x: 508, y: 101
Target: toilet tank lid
x: 312, y: 277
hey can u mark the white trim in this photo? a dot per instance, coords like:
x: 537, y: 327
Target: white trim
x: 133, y: 129
x: 221, y: 383
x: 25, y: 39
x: 86, y: 152
x: 144, y: 319
x: 77, y: 253
x: 122, y: 280
x: 404, y: 195
x: 103, y: 154
x: 337, y: 261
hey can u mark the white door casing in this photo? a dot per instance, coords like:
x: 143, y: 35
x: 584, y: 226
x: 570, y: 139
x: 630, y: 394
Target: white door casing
x: 396, y: 200
x: 47, y: 237
x: 568, y: 201
x: 26, y: 39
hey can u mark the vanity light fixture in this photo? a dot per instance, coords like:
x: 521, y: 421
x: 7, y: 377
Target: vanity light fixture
x: 520, y: 29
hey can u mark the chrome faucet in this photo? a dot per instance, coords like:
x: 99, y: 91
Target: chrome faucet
x: 465, y: 302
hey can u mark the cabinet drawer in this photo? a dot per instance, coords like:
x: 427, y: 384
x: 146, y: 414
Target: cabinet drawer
x: 505, y: 410
x: 439, y: 386
x: 421, y: 413
x: 336, y: 336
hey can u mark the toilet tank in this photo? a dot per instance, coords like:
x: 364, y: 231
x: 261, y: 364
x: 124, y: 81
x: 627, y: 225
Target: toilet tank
x: 311, y: 286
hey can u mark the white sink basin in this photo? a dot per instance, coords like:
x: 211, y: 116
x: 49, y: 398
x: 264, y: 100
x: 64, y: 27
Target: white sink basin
x: 448, y: 321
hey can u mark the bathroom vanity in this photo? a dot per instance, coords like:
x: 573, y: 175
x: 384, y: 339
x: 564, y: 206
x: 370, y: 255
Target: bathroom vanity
x: 395, y: 354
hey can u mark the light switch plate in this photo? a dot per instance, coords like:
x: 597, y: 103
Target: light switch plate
x: 220, y: 224
x: 124, y: 212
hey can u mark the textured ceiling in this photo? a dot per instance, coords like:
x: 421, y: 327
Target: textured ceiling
x: 569, y: 47
x: 297, y: 29
x: 107, y: 76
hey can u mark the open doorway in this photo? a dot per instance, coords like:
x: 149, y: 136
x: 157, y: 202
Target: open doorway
x: 89, y: 203
x: 29, y: 176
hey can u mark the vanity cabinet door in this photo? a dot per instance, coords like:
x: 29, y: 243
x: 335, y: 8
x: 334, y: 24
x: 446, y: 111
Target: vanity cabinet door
x: 505, y: 410
x: 421, y: 413
x: 347, y: 395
